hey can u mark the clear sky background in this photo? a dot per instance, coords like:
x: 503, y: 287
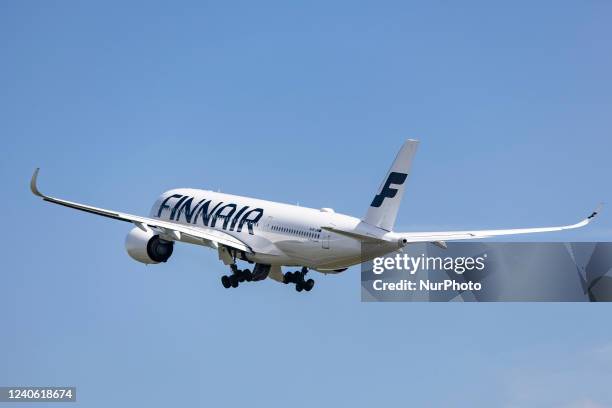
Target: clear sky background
x: 296, y: 102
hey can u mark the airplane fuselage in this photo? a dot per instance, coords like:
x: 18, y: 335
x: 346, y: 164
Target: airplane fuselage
x: 279, y: 234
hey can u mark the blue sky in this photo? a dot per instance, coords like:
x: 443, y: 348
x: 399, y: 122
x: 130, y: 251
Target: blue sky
x: 297, y: 102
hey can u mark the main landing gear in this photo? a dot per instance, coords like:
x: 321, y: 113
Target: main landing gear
x: 298, y: 277
x: 237, y: 276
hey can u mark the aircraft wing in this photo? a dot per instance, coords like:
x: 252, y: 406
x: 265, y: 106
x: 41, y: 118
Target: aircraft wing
x: 441, y: 236
x: 170, y: 229
x: 355, y: 235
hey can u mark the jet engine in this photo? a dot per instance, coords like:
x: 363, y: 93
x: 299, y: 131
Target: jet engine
x: 147, y: 247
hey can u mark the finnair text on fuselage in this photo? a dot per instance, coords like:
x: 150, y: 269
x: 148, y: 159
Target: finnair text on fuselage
x: 201, y: 210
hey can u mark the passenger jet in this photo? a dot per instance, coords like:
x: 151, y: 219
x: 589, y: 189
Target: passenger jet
x: 271, y: 235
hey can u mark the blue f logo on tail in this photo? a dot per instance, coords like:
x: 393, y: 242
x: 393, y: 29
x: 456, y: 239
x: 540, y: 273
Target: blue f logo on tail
x: 387, y: 191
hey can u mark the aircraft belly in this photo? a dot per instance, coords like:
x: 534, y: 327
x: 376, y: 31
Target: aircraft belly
x: 303, y: 253
x: 366, y: 253
x: 313, y: 254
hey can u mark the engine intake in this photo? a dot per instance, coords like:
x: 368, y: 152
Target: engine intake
x: 147, y: 247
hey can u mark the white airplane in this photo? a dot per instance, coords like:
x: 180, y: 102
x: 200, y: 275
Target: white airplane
x: 272, y: 235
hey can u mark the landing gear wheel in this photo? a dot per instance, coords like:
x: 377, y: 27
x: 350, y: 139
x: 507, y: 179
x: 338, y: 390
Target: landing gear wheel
x: 248, y: 276
x: 288, y: 278
x: 308, y: 285
x: 225, y: 281
x: 234, y: 281
x: 299, y: 287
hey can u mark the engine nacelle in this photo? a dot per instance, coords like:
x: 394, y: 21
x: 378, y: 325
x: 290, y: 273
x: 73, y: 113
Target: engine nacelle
x: 147, y: 247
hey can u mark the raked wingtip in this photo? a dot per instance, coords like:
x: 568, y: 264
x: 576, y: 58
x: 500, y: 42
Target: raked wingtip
x: 33, y: 185
x: 595, y: 212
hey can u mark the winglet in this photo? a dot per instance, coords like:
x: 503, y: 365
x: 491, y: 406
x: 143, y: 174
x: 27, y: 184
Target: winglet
x: 33, y: 186
x: 596, y: 212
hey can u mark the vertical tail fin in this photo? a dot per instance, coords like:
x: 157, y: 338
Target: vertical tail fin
x: 383, y: 210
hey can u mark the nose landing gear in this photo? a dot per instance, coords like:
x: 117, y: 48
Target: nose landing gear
x: 298, y: 277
